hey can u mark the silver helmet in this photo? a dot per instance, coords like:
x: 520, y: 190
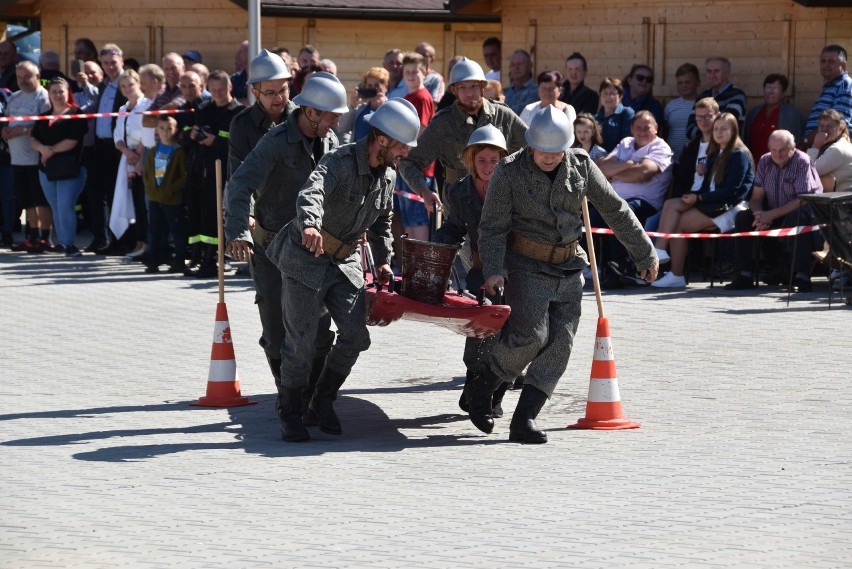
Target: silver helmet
x: 466, y: 70
x: 398, y: 119
x: 488, y: 134
x: 267, y: 66
x: 324, y: 92
x: 550, y: 131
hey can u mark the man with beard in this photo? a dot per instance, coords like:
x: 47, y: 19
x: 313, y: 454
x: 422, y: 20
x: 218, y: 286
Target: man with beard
x: 273, y: 173
x: 446, y: 136
x: 349, y: 192
x: 268, y: 76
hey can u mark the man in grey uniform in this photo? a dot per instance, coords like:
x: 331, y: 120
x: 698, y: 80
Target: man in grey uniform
x: 272, y: 173
x: 269, y: 80
x: 446, y: 136
x: 349, y: 192
x: 531, y: 220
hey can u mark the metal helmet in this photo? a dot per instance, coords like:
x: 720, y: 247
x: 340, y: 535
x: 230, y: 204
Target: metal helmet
x: 466, y: 70
x: 488, y: 134
x: 550, y: 131
x: 267, y: 66
x: 324, y: 92
x: 398, y: 119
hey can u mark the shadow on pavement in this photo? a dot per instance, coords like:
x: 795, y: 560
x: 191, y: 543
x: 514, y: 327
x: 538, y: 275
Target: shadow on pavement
x: 255, y: 428
x: 52, y: 269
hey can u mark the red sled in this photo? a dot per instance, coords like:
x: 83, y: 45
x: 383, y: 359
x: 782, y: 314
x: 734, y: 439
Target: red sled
x: 461, y: 314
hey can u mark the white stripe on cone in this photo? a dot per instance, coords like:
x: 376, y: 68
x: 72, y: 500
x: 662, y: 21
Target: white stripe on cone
x: 603, y: 349
x: 222, y: 332
x: 604, y: 391
x: 222, y: 371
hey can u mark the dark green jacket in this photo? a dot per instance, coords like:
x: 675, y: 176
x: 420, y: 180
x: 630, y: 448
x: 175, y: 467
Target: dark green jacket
x: 170, y: 191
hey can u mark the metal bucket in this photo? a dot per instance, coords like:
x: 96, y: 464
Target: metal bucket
x: 426, y: 269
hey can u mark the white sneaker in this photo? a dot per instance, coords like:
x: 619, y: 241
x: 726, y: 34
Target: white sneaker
x: 670, y: 280
x: 663, y: 256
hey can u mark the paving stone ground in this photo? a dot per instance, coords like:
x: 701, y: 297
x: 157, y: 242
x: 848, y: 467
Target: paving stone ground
x: 742, y: 460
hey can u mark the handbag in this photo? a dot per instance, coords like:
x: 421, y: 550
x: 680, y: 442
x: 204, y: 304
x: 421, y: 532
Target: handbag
x: 725, y: 221
x: 63, y: 166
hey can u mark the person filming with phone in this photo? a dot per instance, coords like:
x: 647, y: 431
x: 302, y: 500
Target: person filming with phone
x: 370, y: 94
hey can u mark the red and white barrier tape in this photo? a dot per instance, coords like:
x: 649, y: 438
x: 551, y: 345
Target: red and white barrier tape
x: 783, y: 232
x: 408, y: 195
x: 92, y: 115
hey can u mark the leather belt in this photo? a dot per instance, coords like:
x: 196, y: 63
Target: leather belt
x: 553, y: 254
x: 335, y: 247
x: 261, y: 236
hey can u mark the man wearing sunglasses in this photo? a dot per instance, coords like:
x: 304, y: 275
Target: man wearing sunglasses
x: 639, y: 92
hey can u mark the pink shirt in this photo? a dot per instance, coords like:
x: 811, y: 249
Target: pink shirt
x: 654, y: 190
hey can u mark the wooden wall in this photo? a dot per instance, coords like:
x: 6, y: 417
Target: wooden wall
x: 758, y: 36
x: 216, y: 27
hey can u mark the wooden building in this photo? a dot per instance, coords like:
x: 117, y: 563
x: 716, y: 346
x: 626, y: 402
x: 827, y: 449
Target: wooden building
x: 355, y: 35
x: 758, y: 36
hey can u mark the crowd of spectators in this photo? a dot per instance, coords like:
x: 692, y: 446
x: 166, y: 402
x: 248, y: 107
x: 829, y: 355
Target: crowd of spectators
x: 142, y: 184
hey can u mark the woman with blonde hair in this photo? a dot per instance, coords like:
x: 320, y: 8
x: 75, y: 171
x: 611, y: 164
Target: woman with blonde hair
x: 485, y: 148
x: 370, y: 94
x: 131, y: 139
x: 730, y: 173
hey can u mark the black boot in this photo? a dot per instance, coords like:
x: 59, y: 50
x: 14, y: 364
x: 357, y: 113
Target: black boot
x: 194, y: 255
x: 465, y: 391
x: 522, y: 429
x: 309, y: 417
x: 497, y: 400
x: 208, y: 268
x: 480, y: 399
x: 275, y: 366
x: 292, y: 428
x: 323, y: 402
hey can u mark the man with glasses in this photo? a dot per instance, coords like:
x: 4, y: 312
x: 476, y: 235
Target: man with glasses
x: 731, y: 99
x: 272, y: 172
x: 269, y: 79
x: 107, y: 156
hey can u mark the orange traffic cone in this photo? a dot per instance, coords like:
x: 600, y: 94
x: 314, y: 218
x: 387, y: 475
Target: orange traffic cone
x: 223, y: 384
x: 603, y: 407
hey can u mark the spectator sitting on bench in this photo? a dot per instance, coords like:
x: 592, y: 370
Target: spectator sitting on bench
x: 831, y: 153
x: 783, y: 174
x: 730, y: 172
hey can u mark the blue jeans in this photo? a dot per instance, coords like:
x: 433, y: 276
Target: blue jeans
x: 164, y: 220
x: 62, y: 196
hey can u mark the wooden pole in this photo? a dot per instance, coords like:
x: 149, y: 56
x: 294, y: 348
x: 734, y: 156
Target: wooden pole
x: 590, y: 243
x: 220, y: 232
